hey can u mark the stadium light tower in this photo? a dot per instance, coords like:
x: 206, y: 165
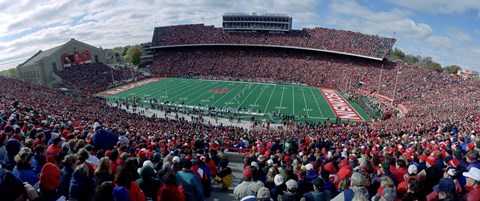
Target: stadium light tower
x: 380, y: 80
x: 113, y: 80
x: 395, y: 87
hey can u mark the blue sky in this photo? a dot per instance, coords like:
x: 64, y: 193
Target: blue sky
x: 448, y: 31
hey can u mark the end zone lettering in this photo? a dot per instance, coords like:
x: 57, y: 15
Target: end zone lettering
x: 130, y: 86
x: 340, y: 106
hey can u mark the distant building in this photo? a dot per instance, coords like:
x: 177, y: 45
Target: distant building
x: 147, y: 57
x: 269, y: 22
x: 41, y: 67
x: 465, y: 74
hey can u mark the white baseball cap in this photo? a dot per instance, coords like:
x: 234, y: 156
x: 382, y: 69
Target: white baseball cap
x: 474, y: 173
x: 176, y: 159
x: 278, y: 180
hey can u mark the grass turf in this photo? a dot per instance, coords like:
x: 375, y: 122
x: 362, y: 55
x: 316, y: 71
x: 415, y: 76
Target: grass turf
x: 262, y: 98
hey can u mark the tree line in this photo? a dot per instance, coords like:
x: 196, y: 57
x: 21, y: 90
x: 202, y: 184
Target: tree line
x: 425, y: 62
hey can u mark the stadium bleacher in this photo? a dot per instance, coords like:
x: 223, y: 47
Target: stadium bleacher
x: 44, y: 130
x: 316, y: 38
x: 92, y: 78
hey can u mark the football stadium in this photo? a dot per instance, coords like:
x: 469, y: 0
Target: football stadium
x: 251, y: 110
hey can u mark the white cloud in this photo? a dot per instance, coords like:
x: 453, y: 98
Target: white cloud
x: 458, y: 35
x: 109, y: 23
x: 349, y: 14
x: 44, y: 24
x: 439, y: 6
x: 441, y: 42
x: 413, y: 37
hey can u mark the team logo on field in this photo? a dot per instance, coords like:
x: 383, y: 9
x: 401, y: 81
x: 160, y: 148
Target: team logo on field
x: 219, y: 91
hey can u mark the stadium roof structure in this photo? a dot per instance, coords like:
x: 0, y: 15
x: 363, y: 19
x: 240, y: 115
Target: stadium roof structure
x: 41, y: 54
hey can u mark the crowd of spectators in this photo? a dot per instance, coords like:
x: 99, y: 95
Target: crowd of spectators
x: 74, y: 146
x: 77, y: 147
x: 316, y: 38
x: 95, y: 77
x: 427, y: 94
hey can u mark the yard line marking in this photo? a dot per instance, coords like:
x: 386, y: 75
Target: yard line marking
x: 281, y: 100
x: 154, y: 90
x: 321, y: 113
x: 305, y: 101
x: 258, y: 98
x: 202, y: 93
x: 293, y: 99
x: 247, y: 95
x: 200, y: 85
x: 268, y: 103
x: 261, y: 83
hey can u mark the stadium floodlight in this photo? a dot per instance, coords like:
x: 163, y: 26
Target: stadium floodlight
x: 395, y: 87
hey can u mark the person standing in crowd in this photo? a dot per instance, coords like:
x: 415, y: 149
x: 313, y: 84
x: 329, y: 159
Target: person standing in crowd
x: 291, y: 193
x: 472, y: 159
x: 357, y: 184
x: 126, y: 185
x: 279, y: 188
x: 263, y: 194
x: 191, y: 184
x: 148, y: 182
x: 67, y: 172
x: 318, y: 193
x: 473, y: 184
x: 170, y: 190
x: 23, y: 169
x: 49, y: 183
x: 103, y: 139
x: 82, y: 186
x: 103, y: 172
x: 224, y: 176
x: 104, y: 192
x: 445, y: 190
x: 432, y: 174
x: 242, y: 189
x: 253, y: 187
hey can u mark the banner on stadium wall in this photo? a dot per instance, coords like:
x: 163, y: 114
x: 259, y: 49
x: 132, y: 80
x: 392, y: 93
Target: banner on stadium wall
x: 76, y: 58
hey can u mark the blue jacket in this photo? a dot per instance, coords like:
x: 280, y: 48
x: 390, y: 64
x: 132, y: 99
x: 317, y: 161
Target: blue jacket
x: 38, y: 161
x: 26, y: 174
x: 103, y: 139
x: 64, y: 188
x: 82, y: 187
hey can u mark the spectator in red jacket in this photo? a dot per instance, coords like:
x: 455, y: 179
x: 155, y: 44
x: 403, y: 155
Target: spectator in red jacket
x: 170, y: 190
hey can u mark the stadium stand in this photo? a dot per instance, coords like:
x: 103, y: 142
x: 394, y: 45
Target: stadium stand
x: 92, y: 78
x: 317, y: 38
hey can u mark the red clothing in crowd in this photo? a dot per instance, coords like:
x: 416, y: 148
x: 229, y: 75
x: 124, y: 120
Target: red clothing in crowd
x: 170, y: 192
x: 402, y: 187
x: 213, y: 168
x: 473, y: 195
x: 135, y: 192
x: 113, y: 167
x: 400, y: 173
x: 53, y: 150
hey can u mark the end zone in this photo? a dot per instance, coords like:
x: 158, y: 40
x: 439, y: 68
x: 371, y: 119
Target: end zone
x: 129, y: 86
x: 340, y: 106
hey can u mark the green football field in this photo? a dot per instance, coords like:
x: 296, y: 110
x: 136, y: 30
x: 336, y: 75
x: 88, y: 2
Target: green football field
x: 261, y: 99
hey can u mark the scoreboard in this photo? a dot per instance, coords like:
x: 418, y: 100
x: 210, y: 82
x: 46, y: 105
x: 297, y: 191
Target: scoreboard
x: 76, y: 58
